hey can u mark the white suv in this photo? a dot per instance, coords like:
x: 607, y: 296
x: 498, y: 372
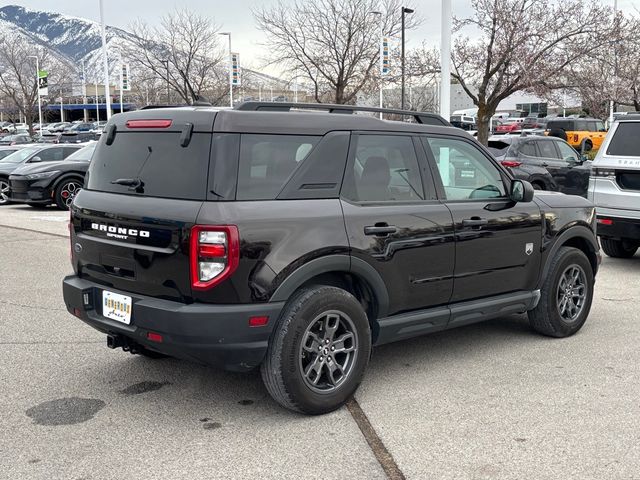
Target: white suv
x: 614, y: 187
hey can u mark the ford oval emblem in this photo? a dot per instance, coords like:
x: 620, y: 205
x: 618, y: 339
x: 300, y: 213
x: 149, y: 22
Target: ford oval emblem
x: 77, y: 248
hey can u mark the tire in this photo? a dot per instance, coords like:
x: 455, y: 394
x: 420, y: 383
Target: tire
x: 619, y: 248
x: 4, y: 191
x: 292, y: 346
x: 66, y: 192
x: 548, y: 318
x: 538, y: 186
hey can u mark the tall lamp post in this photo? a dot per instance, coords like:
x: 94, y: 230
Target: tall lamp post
x: 166, y: 62
x: 445, y: 61
x: 105, y: 59
x: 228, y: 34
x: 405, y: 10
x: 615, y: 67
x: 38, y: 91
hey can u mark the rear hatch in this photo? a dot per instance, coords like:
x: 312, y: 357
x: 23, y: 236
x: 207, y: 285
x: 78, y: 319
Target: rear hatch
x: 616, y: 169
x: 143, y: 192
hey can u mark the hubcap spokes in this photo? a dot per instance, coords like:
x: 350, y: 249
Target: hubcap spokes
x: 69, y: 192
x: 572, y: 293
x: 328, y: 352
x: 4, y: 192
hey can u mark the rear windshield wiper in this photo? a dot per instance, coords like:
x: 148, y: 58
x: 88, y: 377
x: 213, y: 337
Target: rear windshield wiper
x: 134, y: 184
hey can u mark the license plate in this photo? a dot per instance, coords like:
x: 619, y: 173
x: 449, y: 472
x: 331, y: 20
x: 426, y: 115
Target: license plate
x: 116, y: 307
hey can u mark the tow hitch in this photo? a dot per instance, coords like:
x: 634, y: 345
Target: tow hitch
x: 120, y: 341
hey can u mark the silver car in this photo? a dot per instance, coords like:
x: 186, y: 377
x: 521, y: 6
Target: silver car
x: 614, y: 187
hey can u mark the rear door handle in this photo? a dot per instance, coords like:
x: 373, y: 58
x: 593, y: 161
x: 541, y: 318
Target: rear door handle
x: 380, y: 230
x: 475, y: 222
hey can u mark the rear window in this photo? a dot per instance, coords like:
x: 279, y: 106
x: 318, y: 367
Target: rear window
x: 625, y: 140
x: 84, y: 154
x: 497, y: 147
x: 165, y: 168
x: 267, y: 162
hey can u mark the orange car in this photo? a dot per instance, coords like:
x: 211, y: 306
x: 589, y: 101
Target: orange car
x: 590, y: 131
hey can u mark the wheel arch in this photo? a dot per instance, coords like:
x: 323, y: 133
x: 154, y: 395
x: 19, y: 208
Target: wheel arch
x: 349, y: 273
x: 67, y: 176
x: 580, y: 237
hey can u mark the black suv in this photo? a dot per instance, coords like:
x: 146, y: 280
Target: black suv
x: 293, y: 240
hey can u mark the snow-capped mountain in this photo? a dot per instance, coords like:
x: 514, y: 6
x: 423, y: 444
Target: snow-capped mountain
x: 70, y: 38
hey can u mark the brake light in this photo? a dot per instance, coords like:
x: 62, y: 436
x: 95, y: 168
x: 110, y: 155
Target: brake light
x: 576, y: 138
x: 605, y: 221
x: 148, y: 123
x: 215, y: 254
x: 510, y: 163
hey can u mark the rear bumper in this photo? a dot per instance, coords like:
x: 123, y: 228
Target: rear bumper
x: 620, y: 228
x: 216, y: 335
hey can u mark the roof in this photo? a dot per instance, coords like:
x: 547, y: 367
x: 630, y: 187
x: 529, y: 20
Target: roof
x: 283, y: 120
x: 633, y: 117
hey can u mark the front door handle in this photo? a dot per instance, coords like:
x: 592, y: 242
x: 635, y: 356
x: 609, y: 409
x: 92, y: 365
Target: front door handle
x: 475, y: 222
x: 380, y: 229
x: 544, y: 164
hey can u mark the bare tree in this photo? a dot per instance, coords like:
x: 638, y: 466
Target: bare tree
x: 334, y: 44
x: 524, y: 45
x: 18, y: 81
x: 184, y: 50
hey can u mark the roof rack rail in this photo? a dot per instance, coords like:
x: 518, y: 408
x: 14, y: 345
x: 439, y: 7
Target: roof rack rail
x: 420, y: 117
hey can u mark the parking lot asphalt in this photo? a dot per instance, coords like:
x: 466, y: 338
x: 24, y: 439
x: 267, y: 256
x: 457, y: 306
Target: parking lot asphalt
x: 488, y: 401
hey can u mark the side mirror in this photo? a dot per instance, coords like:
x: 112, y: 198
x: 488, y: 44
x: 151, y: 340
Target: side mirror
x: 35, y: 159
x: 521, y: 191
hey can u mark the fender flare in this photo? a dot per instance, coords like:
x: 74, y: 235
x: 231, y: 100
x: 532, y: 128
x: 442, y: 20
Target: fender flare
x: 337, y: 264
x: 576, y: 231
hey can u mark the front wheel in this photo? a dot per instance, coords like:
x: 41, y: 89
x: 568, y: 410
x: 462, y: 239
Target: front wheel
x: 619, y: 248
x: 566, y: 296
x: 4, y: 191
x: 318, y: 351
x: 66, y: 192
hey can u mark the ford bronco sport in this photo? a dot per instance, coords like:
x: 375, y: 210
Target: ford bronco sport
x: 277, y: 237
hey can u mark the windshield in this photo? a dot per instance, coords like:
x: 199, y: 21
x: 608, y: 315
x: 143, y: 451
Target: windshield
x: 19, y: 156
x: 84, y: 154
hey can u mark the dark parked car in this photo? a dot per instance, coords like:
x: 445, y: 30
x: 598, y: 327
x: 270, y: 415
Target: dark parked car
x: 295, y: 241
x: 77, y: 137
x: 538, y: 176
x: 19, y: 139
x: 80, y: 127
x: 5, y: 169
x: 27, y: 155
x: 569, y: 171
x: 44, y: 183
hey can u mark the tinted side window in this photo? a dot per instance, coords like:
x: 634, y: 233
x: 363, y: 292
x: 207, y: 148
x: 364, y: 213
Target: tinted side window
x: 384, y: 168
x: 51, y: 155
x: 566, y: 152
x: 528, y: 149
x: 268, y: 161
x: 68, y: 151
x: 464, y: 170
x: 547, y: 149
x: 625, y: 140
x: 567, y: 125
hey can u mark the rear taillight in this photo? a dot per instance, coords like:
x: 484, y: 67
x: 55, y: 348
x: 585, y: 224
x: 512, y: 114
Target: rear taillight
x: 603, y: 172
x: 605, y: 221
x: 510, y: 163
x: 215, y: 254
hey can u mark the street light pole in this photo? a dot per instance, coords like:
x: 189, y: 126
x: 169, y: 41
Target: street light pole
x: 615, y: 67
x: 38, y: 92
x: 228, y: 34
x: 105, y: 60
x: 445, y: 60
x: 405, y: 10
x: 379, y: 15
x: 166, y: 62
x: 84, y: 95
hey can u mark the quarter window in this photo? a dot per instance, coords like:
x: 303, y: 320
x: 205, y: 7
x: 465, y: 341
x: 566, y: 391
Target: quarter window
x: 268, y: 161
x: 466, y: 173
x: 384, y: 168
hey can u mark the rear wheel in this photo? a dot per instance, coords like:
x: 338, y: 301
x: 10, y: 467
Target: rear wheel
x: 66, y: 192
x: 4, y: 191
x: 318, y: 351
x: 619, y: 248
